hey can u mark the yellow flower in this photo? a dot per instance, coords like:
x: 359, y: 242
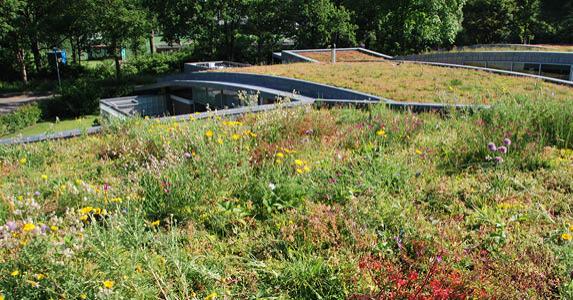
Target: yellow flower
x: 44, y: 177
x: 40, y: 276
x: 209, y: 133
x: 15, y: 273
x: 211, y: 296
x: 108, y: 284
x: 251, y: 134
x: 419, y: 152
x: 236, y: 137
x: 566, y: 237
x: 28, y: 227
x: 33, y: 283
x: 84, y: 218
x: 116, y: 200
x: 306, y: 169
x: 300, y: 171
x: 79, y: 182
x: 299, y: 162
x: 155, y: 223
x: 280, y: 155
x: 279, y: 161
x: 220, y: 141
x: 83, y: 296
x: 23, y: 160
x: 2, y: 297
x: 54, y: 228
x: 570, y: 227
x: 381, y: 132
x: 86, y: 210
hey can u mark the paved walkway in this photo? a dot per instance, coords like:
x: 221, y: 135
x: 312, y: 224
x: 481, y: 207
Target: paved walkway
x: 10, y: 102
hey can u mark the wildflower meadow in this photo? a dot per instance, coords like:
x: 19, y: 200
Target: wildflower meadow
x: 302, y: 203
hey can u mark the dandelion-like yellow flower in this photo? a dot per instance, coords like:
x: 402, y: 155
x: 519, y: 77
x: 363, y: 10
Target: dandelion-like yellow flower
x: 280, y: 155
x: 570, y: 227
x: 40, y: 276
x: 306, y: 169
x: 44, y: 177
x: 209, y: 133
x: 2, y: 297
x: 566, y: 237
x: 220, y: 141
x: 300, y: 171
x: 54, y: 228
x: 28, y: 227
x: 279, y: 161
x: 419, y: 152
x: 84, y: 218
x: 83, y: 296
x: 155, y: 223
x: 236, y: 137
x: 86, y: 210
x: 381, y: 132
x: 23, y: 160
x: 211, y: 296
x: 299, y: 162
x: 15, y: 273
x: 108, y: 284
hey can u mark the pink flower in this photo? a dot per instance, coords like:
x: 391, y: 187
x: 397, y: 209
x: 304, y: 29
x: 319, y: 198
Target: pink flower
x: 502, y: 149
x: 492, y: 147
x: 507, y: 142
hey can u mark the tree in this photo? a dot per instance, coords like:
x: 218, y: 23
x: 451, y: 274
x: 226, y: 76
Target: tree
x: 320, y: 23
x: 488, y: 21
x: 527, y: 19
x: 417, y: 25
x: 13, y: 33
x: 119, y: 23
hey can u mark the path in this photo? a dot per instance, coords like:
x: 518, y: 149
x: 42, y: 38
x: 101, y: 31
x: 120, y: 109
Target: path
x: 10, y: 102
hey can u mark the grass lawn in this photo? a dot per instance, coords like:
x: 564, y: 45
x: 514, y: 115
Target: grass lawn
x: 419, y: 83
x: 52, y: 127
x: 299, y: 203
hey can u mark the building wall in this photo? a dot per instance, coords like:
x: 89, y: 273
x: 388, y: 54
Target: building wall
x: 550, y: 64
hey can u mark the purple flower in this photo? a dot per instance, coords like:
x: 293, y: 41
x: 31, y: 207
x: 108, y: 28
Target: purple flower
x: 37, y: 194
x: 499, y: 159
x: 492, y: 147
x: 502, y: 149
x: 12, y: 226
x: 187, y: 155
x: 507, y: 142
x: 44, y: 228
x: 439, y: 259
x: 106, y: 187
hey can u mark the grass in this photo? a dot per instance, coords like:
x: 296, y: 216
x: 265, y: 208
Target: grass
x: 47, y: 127
x: 302, y: 203
x: 419, y: 83
x: 548, y: 48
x: 341, y: 56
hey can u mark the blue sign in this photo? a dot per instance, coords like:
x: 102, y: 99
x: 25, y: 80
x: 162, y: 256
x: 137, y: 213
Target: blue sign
x: 123, y: 54
x: 64, y: 57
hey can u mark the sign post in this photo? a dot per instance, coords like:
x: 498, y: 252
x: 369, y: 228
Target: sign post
x: 57, y: 66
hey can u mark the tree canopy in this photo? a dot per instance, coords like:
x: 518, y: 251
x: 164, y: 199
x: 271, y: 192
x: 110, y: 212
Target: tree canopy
x: 250, y: 30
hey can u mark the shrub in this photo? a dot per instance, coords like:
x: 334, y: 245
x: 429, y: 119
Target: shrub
x: 157, y: 64
x: 23, y: 117
x: 77, y: 98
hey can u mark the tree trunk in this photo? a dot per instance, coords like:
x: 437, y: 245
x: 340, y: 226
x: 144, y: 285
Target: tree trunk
x: 117, y: 59
x: 22, y: 65
x: 152, y: 42
x: 37, y: 56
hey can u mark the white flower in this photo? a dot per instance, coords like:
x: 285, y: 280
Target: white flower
x: 272, y: 186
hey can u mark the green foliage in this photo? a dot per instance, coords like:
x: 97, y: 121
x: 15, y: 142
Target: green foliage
x: 21, y: 118
x: 488, y: 21
x: 77, y: 98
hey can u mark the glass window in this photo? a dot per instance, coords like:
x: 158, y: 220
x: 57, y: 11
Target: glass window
x: 499, y: 65
x: 480, y: 64
x: 556, y: 71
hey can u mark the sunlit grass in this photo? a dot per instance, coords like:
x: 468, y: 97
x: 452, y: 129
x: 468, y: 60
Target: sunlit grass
x: 418, y: 83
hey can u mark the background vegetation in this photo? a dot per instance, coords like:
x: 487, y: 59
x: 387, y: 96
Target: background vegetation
x: 249, y: 30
